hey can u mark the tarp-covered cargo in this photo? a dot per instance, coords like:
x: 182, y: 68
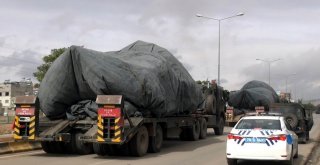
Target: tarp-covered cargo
x: 254, y: 93
x: 148, y: 76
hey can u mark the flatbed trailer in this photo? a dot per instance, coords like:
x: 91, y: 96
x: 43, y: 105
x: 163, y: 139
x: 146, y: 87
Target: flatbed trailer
x: 117, y: 133
x: 114, y: 132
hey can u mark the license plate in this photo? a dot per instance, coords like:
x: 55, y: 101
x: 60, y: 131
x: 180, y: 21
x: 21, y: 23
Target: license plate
x: 255, y: 140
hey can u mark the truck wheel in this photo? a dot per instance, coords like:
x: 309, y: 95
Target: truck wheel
x: 203, y: 128
x: 308, y: 136
x: 210, y: 105
x: 139, y: 143
x: 122, y: 150
x: 155, y: 142
x: 58, y: 147
x: 46, y: 147
x: 110, y: 149
x: 81, y: 147
x: 232, y: 161
x: 194, y: 131
x: 69, y: 146
x: 303, y: 138
x: 99, y: 149
x: 52, y: 147
x: 219, y: 130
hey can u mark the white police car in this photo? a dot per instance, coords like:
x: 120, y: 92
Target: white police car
x: 262, y: 137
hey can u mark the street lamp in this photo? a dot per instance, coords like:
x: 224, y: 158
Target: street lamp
x: 219, y: 20
x: 269, y: 63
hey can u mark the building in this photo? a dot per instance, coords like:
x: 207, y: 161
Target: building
x: 9, y: 90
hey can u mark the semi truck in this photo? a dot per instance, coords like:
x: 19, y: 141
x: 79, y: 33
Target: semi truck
x: 114, y: 132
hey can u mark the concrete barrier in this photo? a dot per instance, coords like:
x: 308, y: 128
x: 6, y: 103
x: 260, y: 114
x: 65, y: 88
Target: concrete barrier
x: 11, y: 147
x: 8, y: 145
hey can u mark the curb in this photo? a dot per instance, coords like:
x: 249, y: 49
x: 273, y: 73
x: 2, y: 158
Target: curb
x: 12, y: 147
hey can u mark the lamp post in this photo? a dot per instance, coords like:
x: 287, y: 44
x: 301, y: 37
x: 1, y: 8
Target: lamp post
x: 269, y: 63
x: 219, y: 20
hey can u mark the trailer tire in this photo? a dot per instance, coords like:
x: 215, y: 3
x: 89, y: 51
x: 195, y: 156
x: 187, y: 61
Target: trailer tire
x: 203, y: 128
x: 46, y: 147
x: 122, y: 150
x: 79, y: 146
x: 99, y: 149
x: 155, y: 142
x: 219, y: 129
x: 58, y: 147
x: 139, y: 143
x: 194, y: 131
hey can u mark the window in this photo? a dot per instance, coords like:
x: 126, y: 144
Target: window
x: 259, y: 123
x: 7, y: 94
x: 0, y: 93
x: 7, y: 101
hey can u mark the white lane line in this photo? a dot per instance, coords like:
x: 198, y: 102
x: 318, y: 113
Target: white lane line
x: 22, y: 154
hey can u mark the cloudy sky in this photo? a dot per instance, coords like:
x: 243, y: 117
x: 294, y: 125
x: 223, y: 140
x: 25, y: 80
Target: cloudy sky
x: 270, y: 29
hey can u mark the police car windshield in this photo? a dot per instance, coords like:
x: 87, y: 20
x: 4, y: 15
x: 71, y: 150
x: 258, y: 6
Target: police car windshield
x: 259, y: 124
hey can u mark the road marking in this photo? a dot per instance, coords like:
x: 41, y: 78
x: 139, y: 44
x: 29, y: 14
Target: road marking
x: 22, y: 154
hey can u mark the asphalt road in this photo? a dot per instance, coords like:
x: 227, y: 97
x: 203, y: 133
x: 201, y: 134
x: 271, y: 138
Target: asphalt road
x: 174, y: 152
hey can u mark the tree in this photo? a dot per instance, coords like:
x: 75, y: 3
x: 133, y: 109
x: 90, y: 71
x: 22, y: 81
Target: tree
x: 48, y: 60
x: 309, y: 106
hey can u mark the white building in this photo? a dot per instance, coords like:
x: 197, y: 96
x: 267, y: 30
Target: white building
x: 9, y: 90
